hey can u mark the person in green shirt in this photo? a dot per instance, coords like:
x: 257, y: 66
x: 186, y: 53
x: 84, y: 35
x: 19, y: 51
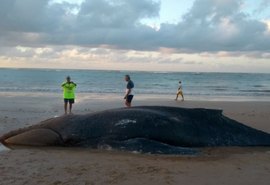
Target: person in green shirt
x: 68, y: 93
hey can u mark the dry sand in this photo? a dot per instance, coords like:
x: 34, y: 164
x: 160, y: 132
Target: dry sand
x: 83, y: 166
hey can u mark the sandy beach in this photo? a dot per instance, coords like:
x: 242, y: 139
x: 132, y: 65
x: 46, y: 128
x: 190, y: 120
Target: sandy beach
x: 85, y: 166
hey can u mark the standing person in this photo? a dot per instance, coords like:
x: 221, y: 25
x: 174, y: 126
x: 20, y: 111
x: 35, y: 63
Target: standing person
x: 129, y: 95
x: 68, y: 93
x: 179, y: 92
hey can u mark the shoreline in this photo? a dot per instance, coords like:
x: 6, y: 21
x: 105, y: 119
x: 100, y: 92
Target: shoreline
x: 168, y: 97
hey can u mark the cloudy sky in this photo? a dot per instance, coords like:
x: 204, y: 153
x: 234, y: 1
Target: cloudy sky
x: 153, y: 35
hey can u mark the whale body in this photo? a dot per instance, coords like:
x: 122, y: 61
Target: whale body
x: 150, y: 129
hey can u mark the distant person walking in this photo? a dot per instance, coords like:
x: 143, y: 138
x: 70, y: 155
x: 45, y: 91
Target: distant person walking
x: 179, y: 92
x: 68, y: 93
x: 129, y: 94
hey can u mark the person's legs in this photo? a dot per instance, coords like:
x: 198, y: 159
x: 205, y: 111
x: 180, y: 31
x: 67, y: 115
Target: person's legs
x: 128, y: 104
x: 70, y: 107
x: 71, y: 101
x: 182, y: 96
x: 176, y: 97
x: 128, y: 100
x: 65, y: 106
x: 181, y: 93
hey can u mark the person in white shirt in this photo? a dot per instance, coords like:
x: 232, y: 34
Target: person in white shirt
x: 179, y: 92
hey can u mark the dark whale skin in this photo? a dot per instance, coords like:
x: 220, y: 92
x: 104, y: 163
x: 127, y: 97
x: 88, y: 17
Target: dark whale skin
x: 150, y: 129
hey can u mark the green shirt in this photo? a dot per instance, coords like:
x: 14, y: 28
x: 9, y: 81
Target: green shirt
x: 69, y: 90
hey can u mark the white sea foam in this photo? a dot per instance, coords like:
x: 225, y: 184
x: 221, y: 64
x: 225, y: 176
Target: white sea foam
x: 3, y: 148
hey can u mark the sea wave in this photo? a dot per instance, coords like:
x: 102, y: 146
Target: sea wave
x: 156, y: 83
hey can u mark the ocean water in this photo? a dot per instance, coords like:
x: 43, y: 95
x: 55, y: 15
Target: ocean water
x: 208, y: 86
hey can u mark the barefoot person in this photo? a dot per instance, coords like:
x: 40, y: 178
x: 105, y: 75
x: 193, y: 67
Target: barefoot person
x: 179, y: 91
x: 129, y: 95
x: 68, y: 94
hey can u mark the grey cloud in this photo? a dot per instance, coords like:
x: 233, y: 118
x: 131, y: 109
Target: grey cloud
x: 212, y: 10
x: 23, y: 16
x: 209, y: 26
x: 202, y: 29
x: 116, y: 14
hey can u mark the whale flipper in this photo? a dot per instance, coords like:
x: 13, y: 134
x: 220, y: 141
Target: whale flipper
x: 143, y: 145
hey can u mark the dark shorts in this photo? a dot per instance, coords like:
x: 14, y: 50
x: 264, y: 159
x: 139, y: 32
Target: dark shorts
x: 70, y: 101
x: 129, y: 98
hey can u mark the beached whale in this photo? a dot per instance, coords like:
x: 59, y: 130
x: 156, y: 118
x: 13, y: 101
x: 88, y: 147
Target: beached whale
x: 153, y: 129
